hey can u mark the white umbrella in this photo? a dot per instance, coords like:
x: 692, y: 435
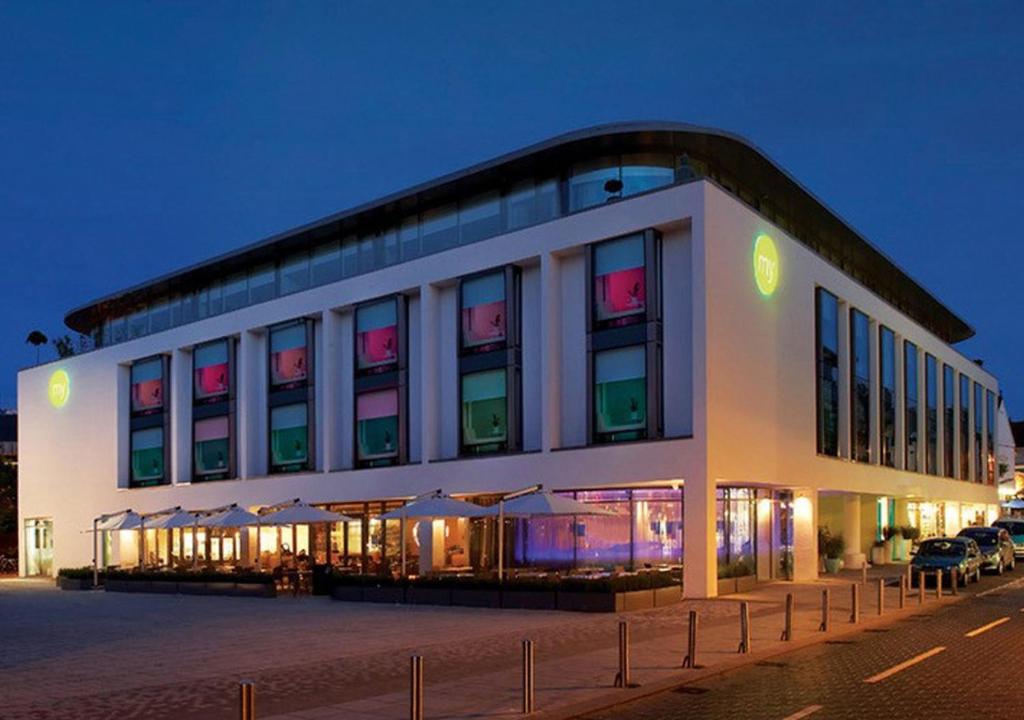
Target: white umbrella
x: 171, y: 520
x: 123, y: 520
x: 539, y: 503
x: 432, y: 506
x: 232, y: 517
x: 302, y: 514
x: 1015, y: 504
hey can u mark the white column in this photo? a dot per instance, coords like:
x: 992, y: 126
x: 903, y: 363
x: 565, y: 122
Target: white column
x: 181, y: 416
x: 251, y: 397
x: 551, y: 351
x: 805, y: 535
x: 700, y: 560
x: 854, y: 557
x: 328, y: 387
x: 430, y: 417
x: 124, y: 463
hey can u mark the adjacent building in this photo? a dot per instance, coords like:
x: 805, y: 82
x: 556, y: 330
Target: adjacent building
x: 653, y: 317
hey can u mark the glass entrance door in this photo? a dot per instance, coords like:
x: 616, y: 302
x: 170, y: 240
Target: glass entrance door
x: 39, y: 546
x: 782, y: 535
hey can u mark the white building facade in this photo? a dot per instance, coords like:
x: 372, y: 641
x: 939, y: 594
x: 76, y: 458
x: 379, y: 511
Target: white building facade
x: 652, y: 316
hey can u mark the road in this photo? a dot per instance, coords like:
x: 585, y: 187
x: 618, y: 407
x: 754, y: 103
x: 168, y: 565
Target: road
x: 960, y: 661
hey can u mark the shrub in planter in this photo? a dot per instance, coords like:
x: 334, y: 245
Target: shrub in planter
x: 880, y: 552
x: 834, y: 547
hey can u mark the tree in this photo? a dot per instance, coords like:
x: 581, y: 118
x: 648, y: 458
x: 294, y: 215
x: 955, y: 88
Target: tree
x: 36, y: 338
x: 64, y: 346
x: 8, y: 503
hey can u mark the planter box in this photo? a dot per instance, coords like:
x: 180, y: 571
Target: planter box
x: 635, y: 600
x: 347, y: 593
x: 586, y: 602
x: 261, y: 590
x: 75, y: 583
x: 746, y: 583
x: 384, y: 594
x: 468, y: 597
x: 428, y: 596
x: 529, y: 599
x: 192, y: 588
x: 163, y: 587
x: 667, y: 596
x: 726, y: 586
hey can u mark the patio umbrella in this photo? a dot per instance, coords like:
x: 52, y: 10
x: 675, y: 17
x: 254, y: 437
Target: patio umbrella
x: 1015, y: 504
x: 432, y: 506
x: 542, y: 503
x: 123, y: 520
x: 231, y: 517
x: 172, y: 520
x: 301, y: 513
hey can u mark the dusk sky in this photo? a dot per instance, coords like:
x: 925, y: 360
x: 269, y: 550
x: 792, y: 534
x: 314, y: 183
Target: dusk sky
x: 137, y: 138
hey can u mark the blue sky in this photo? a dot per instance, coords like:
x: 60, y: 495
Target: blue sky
x: 139, y: 137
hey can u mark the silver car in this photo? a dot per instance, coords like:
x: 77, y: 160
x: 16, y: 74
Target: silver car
x: 997, y: 553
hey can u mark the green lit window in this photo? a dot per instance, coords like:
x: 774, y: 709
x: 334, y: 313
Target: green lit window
x: 147, y: 454
x: 484, y: 411
x: 377, y: 427
x: 289, y: 437
x: 212, y: 446
x: 620, y: 394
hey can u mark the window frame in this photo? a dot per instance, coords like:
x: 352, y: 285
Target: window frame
x: 292, y: 393
x: 139, y: 420
x: 208, y: 408
x: 377, y: 378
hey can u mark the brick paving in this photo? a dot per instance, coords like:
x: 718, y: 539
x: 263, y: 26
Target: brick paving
x: 99, y: 655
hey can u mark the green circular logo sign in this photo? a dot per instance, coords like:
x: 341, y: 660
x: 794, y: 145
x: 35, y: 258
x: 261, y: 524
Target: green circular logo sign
x: 766, y: 265
x: 59, y: 388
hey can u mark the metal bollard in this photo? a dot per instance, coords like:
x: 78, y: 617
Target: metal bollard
x: 881, y: 595
x: 529, y: 694
x: 690, y: 661
x: 787, y: 629
x: 920, y: 587
x: 247, y: 700
x: 826, y: 614
x: 903, y: 591
x: 744, y: 628
x: 938, y: 584
x: 622, y: 678
x: 854, y: 603
x: 416, y: 687
x: 954, y: 580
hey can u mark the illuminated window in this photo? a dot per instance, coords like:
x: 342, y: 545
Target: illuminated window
x: 910, y: 405
x: 484, y: 411
x: 948, y: 421
x: 931, y: 415
x: 213, y: 410
x: 377, y: 418
x: 619, y: 281
x: 620, y: 394
x: 484, y: 315
x: 148, y: 422
x: 860, y: 385
x: 148, y: 457
x: 289, y: 438
x: 289, y: 359
x: 212, y: 438
x: 377, y: 336
x: 827, y: 331
x: 148, y: 386
x: 887, y: 370
x: 990, y: 448
x: 212, y: 371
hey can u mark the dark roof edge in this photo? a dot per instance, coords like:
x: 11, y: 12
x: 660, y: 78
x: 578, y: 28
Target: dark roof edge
x: 77, y: 318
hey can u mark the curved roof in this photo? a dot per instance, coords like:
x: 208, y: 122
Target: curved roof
x: 735, y: 163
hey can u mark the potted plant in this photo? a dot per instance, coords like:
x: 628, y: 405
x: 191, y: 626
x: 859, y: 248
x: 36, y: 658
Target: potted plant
x: 895, y: 543
x: 835, y: 546
x: 910, y: 536
x: 879, y: 552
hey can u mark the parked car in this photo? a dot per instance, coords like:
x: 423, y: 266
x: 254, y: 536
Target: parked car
x: 996, y: 547
x: 1015, y: 527
x: 945, y: 554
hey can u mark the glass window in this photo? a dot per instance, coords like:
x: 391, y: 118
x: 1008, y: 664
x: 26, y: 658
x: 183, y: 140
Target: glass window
x: 211, y: 300
x: 484, y: 411
x: 860, y: 385
x: 990, y: 448
x: 594, y: 183
x: 484, y: 316
x: 521, y: 205
x: 657, y: 527
x: 641, y: 173
x: 948, y: 420
x: 295, y: 274
x: 138, y: 324
x: 827, y: 330
x: 371, y: 251
x: 377, y: 336
x: 118, y: 330
x: 212, y: 372
x: 377, y: 425
x: 289, y: 364
x: 326, y: 264
x: 620, y: 285
x: 148, y: 385
x: 887, y: 369
x: 212, y: 437
x: 620, y: 394
x: 390, y: 240
x: 931, y: 415
x: 439, y: 229
x: 735, y: 531
x: 147, y: 456
x: 548, y: 200
x: 349, y: 257
x: 965, y: 428
x: 409, y: 238
x: 289, y: 437
x: 480, y: 217
x: 979, y: 454
x: 159, y: 317
x: 262, y: 283
x: 910, y: 395
x: 236, y: 292
x: 604, y: 540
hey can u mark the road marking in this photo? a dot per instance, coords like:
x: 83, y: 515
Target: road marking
x: 809, y: 710
x: 904, y: 665
x: 985, y: 628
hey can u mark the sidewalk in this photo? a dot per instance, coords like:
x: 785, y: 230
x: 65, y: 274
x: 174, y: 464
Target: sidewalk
x: 568, y: 684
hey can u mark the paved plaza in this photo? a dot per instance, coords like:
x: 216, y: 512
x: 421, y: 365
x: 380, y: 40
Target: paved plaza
x: 99, y: 655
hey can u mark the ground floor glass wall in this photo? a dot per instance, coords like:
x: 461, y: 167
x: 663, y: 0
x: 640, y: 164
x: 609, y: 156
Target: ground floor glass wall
x: 736, y: 531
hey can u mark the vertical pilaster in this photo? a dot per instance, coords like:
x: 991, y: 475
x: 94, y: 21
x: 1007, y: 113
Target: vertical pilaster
x: 805, y: 535
x: 551, y: 351
x: 181, y: 416
x: 252, y: 403
x: 700, y: 569
x: 430, y: 410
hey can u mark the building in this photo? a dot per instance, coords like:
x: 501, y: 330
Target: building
x: 653, y: 316
x: 8, y: 436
